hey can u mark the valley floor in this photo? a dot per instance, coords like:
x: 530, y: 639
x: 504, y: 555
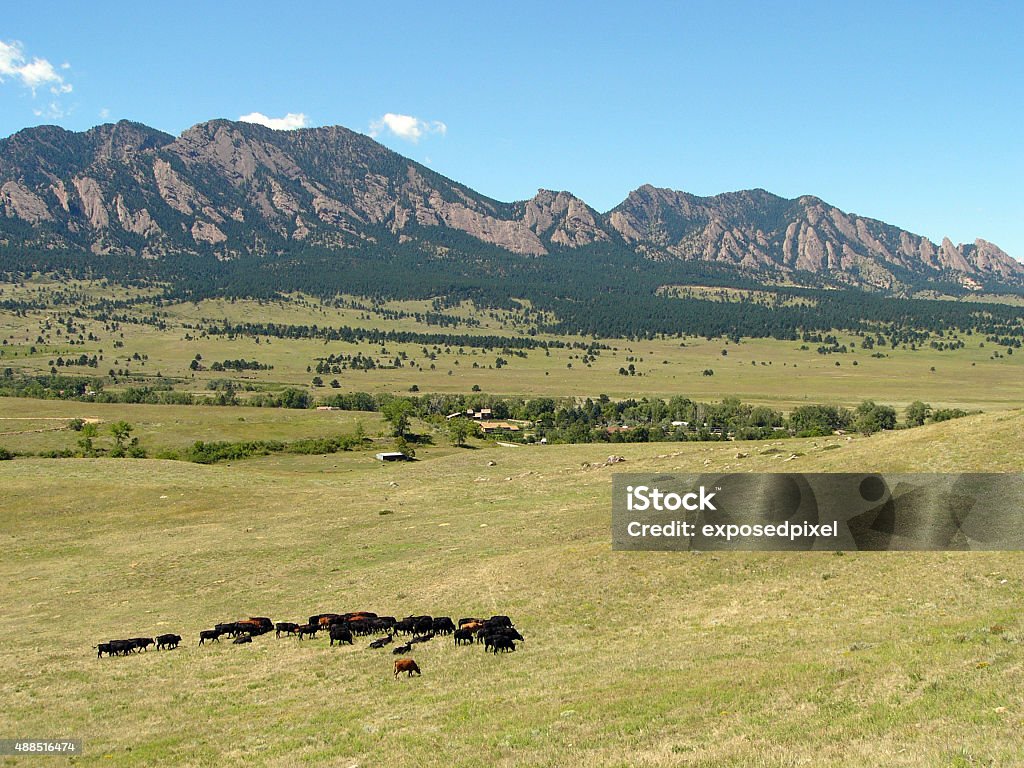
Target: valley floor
x: 639, y: 659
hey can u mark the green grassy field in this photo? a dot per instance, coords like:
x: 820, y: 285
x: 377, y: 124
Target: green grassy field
x: 31, y: 426
x: 631, y: 659
x: 761, y: 371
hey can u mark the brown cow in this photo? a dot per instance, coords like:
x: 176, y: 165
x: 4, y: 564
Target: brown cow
x: 326, y: 620
x: 251, y: 626
x: 406, y: 665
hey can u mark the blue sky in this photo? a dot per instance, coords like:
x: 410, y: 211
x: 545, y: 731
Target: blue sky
x: 910, y: 112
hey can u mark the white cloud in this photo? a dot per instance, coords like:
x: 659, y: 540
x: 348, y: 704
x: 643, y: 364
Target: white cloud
x: 52, y: 111
x: 104, y: 113
x: 289, y: 122
x: 32, y: 74
x: 406, y: 127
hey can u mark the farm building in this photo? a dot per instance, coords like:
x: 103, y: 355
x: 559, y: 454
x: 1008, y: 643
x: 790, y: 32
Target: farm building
x: 483, y: 413
x: 391, y: 456
x: 488, y: 427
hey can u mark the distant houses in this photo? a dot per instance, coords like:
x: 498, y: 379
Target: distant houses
x: 392, y: 456
x: 489, y: 427
x: 469, y: 413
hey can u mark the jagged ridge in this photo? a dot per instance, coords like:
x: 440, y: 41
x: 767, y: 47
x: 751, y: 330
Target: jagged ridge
x: 237, y: 188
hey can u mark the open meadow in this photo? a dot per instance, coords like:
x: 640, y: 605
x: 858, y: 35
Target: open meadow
x: 157, y: 346
x: 32, y: 426
x: 630, y: 658
x: 638, y: 659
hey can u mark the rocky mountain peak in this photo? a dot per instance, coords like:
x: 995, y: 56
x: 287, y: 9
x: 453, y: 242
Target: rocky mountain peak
x: 130, y: 189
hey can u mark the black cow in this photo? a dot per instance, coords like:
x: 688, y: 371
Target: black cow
x: 502, y: 643
x: 506, y: 632
x: 242, y: 639
x: 381, y: 642
x: 463, y: 636
x: 340, y: 633
x: 208, y: 634
x: 142, y: 643
x: 405, y: 626
x: 121, y: 647
x: 287, y: 627
x: 399, y: 650
x: 107, y: 648
x: 422, y: 638
x: 265, y: 624
x: 443, y: 625
x: 361, y: 627
x: 236, y: 628
x: 499, y: 621
x: 496, y: 635
x: 255, y: 627
x: 307, y: 629
x: 414, y: 625
x: 167, y: 641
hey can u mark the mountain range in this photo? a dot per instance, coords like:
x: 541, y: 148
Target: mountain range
x: 238, y: 190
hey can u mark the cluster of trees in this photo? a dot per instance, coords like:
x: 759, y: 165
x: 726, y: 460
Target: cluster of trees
x: 46, y: 387
x: 121, y: 431
x: 918, y: 413
x: 647, y: 419
x: 241, y: 364
x: 679, y: 418
x: 436, y: 317
x: 209, y: 453
x: 357, y: 362
x: 82, y: 360
x: 125, y: 446
x: 378, y: 336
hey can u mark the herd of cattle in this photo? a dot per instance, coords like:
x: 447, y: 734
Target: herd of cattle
x: 496, y: 634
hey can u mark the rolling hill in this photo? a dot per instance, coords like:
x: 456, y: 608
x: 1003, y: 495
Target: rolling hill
x: 646, y: 659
